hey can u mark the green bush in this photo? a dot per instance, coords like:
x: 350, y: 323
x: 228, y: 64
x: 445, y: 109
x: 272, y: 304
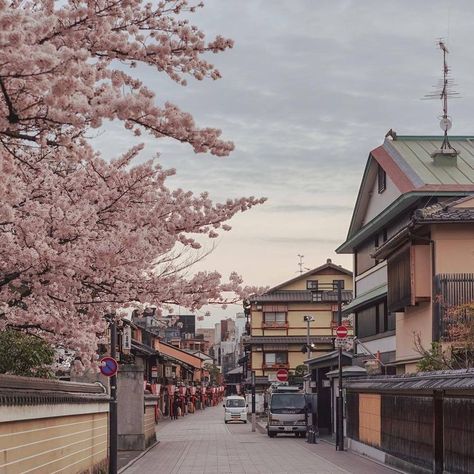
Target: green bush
x: 25, y: 354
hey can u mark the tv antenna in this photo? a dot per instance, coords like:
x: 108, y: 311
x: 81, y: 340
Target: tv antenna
x: 300, y: 264
x: 443, y: 91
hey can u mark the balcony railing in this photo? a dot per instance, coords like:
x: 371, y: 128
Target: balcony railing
x: 275, y: 366
x: 274, y: 324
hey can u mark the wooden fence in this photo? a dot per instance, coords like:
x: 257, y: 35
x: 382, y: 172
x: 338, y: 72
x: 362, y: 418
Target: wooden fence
x: 417, y: 422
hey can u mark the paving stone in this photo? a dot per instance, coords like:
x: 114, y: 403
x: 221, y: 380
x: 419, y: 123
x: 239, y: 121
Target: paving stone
x: 202, y: 443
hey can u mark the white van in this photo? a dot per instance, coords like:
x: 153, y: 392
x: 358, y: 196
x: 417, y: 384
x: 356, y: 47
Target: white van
x: 235, y: 409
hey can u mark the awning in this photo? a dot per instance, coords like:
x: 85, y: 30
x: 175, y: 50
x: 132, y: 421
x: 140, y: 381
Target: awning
x: 288, y: 340
x: 365, y: 299
x: 329, y: 360
x: 143, y: 348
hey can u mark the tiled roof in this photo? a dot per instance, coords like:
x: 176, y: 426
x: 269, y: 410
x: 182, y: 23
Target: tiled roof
x: 328, y: 265
x: 301, y: 296
x: 286, y: 339
x: 429, y: 381
x: 445, y: 213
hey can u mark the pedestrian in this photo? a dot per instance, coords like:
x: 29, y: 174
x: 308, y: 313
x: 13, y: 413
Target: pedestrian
x: 175, y: 406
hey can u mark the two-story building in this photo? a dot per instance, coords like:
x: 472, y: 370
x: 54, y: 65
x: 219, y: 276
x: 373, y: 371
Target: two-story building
x: 403, y: 241
x: 278, y: 331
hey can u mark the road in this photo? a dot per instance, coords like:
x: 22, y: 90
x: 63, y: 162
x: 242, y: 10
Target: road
x: 202, y: 443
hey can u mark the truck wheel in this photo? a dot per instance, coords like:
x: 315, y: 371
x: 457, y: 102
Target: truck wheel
x: 271, y: 434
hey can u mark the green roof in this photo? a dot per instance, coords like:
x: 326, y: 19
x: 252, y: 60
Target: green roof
x: 413, y: 154
x: 365, y: 298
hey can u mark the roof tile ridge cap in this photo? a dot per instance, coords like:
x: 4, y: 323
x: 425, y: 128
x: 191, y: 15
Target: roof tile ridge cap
x: 428, y: 210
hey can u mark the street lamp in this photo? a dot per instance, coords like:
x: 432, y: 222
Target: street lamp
x: 309, y: 346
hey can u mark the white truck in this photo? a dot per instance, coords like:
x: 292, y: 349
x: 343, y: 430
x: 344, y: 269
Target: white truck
x: 287, y: 412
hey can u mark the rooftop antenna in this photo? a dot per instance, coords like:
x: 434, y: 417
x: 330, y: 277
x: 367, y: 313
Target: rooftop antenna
x: 443, y: 91
x: 301, y: 264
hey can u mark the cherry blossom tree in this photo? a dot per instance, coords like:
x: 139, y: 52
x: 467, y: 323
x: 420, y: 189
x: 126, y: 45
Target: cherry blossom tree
x: 81, y: 236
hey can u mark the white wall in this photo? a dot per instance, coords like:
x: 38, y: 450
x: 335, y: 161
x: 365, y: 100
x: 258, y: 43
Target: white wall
x: 379, y: 202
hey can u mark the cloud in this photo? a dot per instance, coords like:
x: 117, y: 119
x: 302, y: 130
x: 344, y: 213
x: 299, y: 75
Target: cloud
x: 308, y: 90
x: 291, y: 208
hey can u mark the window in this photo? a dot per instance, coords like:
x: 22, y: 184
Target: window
x: 235, y: 402
x: 312, y: 284
x: 381, y: 180
x: 374, y: 320
x: 334, y: 284
x: 276, y: 358
x: 274, y: 318
x: 367, y: 322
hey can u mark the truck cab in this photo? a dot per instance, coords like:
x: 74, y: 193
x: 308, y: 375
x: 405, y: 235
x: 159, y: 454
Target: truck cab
x: 287, y: 411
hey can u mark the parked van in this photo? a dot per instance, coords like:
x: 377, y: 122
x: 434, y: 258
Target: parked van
x: 287, y: 412
x: 235, y: 409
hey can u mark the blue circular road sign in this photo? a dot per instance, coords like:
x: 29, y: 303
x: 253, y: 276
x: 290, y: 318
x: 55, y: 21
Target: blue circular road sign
x: 108, y: 366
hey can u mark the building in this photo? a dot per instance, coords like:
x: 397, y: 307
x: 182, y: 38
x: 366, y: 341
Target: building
x: 208, y: 334
x: 410, y: 228
x: 278, y: 331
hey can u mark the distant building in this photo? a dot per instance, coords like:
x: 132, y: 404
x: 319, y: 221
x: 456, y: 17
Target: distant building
x: 278, y: 331
x: 207, y: 333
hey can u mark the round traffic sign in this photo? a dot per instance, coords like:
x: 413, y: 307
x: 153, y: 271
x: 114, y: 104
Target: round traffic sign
x: 282, y: 375
x: 341, y: 332
x: 108, y: 366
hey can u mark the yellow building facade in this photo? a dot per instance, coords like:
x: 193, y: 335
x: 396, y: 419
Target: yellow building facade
x: 278, y: 330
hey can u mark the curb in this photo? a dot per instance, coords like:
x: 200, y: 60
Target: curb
x: 134, y: 460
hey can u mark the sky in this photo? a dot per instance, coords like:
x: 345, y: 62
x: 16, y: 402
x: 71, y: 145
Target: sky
x: 310, y: 87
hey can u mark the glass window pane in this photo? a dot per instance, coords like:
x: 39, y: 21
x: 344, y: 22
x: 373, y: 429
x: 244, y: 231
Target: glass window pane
x: 269, y: 317
x: 280, y: 317
x: 269, y: 358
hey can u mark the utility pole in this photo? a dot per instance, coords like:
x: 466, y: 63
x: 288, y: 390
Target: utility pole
x: 254, y: 416
x: 339, y: 399
x: 311, y: 435
x: 113, y: 432
x: 308, y: 320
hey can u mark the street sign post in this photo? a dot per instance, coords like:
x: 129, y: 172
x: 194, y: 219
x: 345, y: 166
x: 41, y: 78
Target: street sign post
x: 108, y: 366
x: 342, y: 332
x: 282, y: 375
x: 254, y: 416
x: 339, y: 342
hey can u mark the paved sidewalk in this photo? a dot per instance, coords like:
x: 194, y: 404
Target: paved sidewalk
x: 203, y: 444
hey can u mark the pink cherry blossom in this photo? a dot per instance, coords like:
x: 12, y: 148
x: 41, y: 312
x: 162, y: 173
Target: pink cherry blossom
x: 80, y: 236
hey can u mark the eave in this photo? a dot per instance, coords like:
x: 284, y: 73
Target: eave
x: 402, y: 203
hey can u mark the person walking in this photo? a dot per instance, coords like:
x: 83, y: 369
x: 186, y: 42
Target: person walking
x: 175, y: 406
